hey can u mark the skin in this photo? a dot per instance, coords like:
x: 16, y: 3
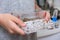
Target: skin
x: 46, y: 15
x: 9, y: 22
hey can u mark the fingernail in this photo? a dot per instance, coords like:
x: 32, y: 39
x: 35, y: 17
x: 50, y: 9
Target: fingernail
x: 23, y: 33
x: 24, y: 25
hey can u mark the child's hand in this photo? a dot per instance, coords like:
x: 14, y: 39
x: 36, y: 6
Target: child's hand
x: 44, y: 14
x: 47, y: 16
x: 9, y: 21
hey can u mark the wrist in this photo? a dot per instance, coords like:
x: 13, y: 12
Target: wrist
x: 38, y: 10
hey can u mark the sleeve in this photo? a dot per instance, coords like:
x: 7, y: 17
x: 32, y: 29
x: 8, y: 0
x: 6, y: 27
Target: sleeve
x: 4, y: 6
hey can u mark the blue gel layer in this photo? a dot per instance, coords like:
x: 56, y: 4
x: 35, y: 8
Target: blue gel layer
x: 54, y: 19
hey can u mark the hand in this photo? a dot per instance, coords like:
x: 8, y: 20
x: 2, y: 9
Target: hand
x: 43, y: 14
x: 9, y: 21
x: 47, y: 16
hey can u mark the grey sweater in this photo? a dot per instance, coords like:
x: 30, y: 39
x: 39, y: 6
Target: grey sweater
x: 20, y: 6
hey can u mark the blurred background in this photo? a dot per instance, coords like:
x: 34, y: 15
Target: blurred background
x: 50, y: 5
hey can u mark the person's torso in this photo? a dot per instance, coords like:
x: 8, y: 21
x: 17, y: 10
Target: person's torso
x: 16, y: 7
x: 24, y: 6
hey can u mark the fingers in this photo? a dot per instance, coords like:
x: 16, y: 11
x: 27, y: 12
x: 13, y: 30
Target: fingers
x: 9, y: 23
x: 8, y: 28
x: 16, y: 29
x: 18, y: 21
x: 6, y: 25
x: 11, y: 31
x: 48, y: 16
